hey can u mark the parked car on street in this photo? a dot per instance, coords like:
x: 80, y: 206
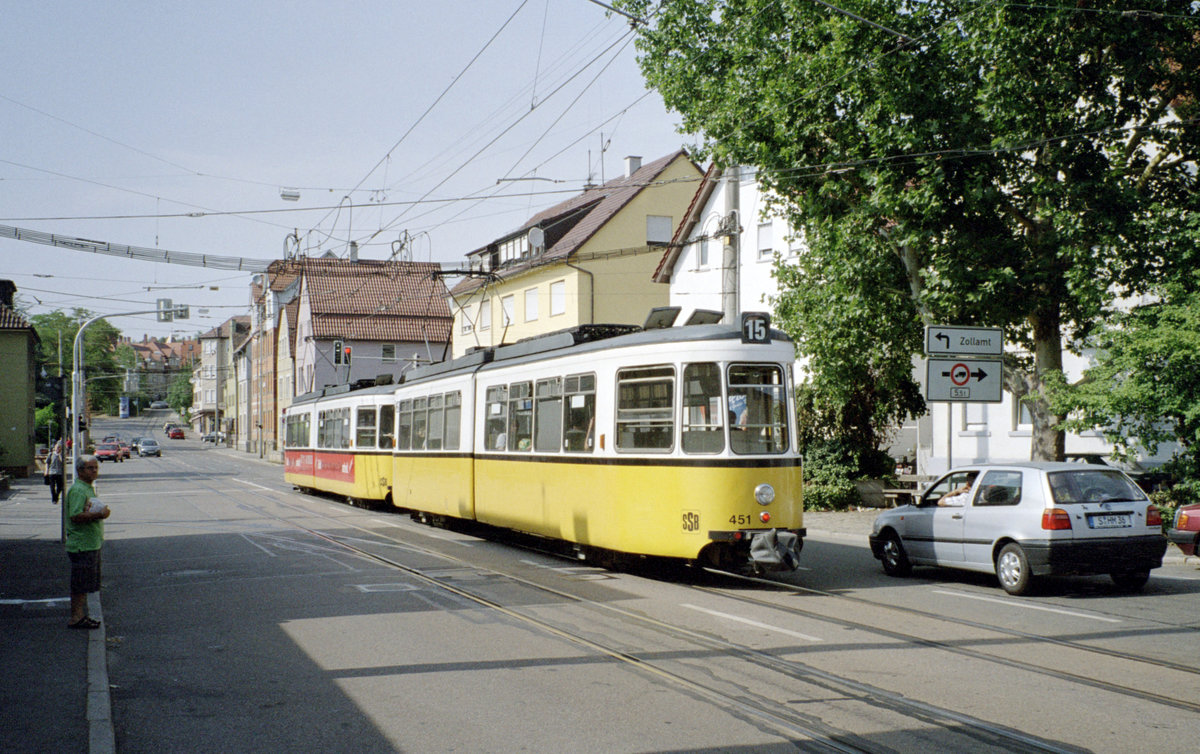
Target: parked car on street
x: 149, y: 447
x: 1185, y: 530
x: 159, y: 404
x: 1024, y: 520
x: 175, y: 433
x: 109, y: 451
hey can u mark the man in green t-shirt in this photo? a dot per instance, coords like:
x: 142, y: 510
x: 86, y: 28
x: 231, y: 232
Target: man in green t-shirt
x: 85, y: 537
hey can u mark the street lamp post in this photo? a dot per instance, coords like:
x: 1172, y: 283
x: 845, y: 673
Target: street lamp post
x: 77, y: 382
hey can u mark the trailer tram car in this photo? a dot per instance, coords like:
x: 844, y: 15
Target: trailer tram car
x: 676, y: 442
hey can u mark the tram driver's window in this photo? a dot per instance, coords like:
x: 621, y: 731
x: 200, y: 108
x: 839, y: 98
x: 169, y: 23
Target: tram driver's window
x: 579, y: 413
x: 703, y: 428
x: 757, y: 409
x: 646, y: 409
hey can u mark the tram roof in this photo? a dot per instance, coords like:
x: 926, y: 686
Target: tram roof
x: 575, y: 340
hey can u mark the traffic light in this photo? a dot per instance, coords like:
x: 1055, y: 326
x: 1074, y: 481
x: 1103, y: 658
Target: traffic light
x: 346, y: 356
x: 337, y: 352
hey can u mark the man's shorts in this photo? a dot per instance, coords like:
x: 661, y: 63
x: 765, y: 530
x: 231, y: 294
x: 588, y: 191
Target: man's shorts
x: 85, y: 571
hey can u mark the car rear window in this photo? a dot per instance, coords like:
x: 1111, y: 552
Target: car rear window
x: 1092, y: 486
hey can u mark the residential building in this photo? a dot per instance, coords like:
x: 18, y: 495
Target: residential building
x: 390, y: 315
x: 586, y: 260
x: 159, y: 362
x: 701, y: 276
x: 210, y: 383
x: 18, y: 385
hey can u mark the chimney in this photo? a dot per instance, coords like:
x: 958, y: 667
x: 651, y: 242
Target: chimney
x: 354, y: 251
x: 633, y: 163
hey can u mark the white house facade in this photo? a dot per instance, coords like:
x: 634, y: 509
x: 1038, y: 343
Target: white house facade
x: 705, y: 271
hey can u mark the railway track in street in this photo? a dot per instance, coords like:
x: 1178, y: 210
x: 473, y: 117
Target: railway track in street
x: 720, y: 686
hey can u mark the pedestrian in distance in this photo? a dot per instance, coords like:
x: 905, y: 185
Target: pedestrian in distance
x: 54, y: 471
x: 85, y: 537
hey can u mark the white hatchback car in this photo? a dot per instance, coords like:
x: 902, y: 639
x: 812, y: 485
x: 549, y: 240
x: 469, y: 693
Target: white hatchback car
x: 1024, y: 520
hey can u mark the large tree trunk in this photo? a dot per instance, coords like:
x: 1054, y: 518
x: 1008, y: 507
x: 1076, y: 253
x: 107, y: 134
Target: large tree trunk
x: 1048, y: 437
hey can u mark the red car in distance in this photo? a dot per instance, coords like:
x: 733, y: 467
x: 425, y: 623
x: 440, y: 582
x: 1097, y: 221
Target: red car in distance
x: 109, y: 451
x: 175, y: 433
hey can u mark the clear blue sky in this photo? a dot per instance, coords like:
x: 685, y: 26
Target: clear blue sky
x: 116, y: 118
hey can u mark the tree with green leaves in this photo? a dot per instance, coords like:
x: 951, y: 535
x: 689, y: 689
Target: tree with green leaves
x: 100, y: 342
x: 993, y: 163
x: 1144, y: 389
x: 179, y: 394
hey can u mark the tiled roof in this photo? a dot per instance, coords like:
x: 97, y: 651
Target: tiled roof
x: 666, y: 265
x: 409, y: 289
x: 586, y: 212
x: 11, y: 320
x: 382, y: 327
x: 375, y: 300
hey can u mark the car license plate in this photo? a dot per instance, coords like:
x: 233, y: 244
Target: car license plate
x: 1109, y: 521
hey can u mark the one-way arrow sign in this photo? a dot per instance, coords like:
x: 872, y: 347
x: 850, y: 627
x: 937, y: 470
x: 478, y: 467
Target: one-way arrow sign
x: 967, y: 380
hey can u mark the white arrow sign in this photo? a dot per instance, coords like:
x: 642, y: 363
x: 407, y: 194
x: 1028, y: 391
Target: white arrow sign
x: 966, y: 380
x: 968, y: 341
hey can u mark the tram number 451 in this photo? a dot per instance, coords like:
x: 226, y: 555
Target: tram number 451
x: 691, y: 521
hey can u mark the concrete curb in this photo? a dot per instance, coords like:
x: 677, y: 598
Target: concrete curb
x: 101, y: 737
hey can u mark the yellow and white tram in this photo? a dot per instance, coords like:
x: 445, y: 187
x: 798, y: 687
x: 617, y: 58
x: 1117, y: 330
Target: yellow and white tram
x: 676, y: 442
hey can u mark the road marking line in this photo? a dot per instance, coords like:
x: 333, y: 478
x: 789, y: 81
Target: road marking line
x: 754, y: 623
x: 178, y: 492
x: 1013, y: 603
x: 47, y: 601
x: 252, y: 484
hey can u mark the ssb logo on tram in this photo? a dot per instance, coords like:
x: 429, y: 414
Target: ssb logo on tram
x: 691, y: 521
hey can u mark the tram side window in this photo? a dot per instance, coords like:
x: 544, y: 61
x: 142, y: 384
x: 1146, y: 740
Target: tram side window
x: 437, y: 426
x: 579, y: 413
x: 520, y: 416
x: 404, y: 425
x: 387, y: 426
x: 296, y: 431
x: 453, y: 420
x: 364, y: 436
x: 420, y: 425
x: 645, y: 408
x: 333, y: 428
x: 496, y: 406
x: 703, y: 426
x: 548, y: 415
x: 757, y: 409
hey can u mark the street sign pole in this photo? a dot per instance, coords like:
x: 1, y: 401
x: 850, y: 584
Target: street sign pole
x: 963, y: 365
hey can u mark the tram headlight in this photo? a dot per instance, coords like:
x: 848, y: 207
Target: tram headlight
x: 764, y: 494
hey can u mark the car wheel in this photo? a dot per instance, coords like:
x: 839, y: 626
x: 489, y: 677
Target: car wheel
x: 895, y: 560
x: 1131, y: 581
x: 1012, y: 569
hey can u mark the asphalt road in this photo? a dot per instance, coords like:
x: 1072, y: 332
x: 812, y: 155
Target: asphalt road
x: 244, y: 616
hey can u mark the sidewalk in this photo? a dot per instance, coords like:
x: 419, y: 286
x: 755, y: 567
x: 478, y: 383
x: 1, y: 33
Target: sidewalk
x: 54, y: 690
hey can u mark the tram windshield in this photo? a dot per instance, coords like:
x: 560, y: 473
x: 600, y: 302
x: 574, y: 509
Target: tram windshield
x: 757, y: 409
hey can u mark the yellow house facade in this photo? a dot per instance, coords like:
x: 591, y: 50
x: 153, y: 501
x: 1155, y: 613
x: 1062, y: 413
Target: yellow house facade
x: 587, y: 260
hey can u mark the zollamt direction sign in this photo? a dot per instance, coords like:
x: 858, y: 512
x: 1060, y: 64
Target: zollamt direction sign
x: 964, y: 341
x: 954, y: 369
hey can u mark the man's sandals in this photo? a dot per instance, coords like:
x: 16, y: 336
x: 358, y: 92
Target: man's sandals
x: 85, y: 622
